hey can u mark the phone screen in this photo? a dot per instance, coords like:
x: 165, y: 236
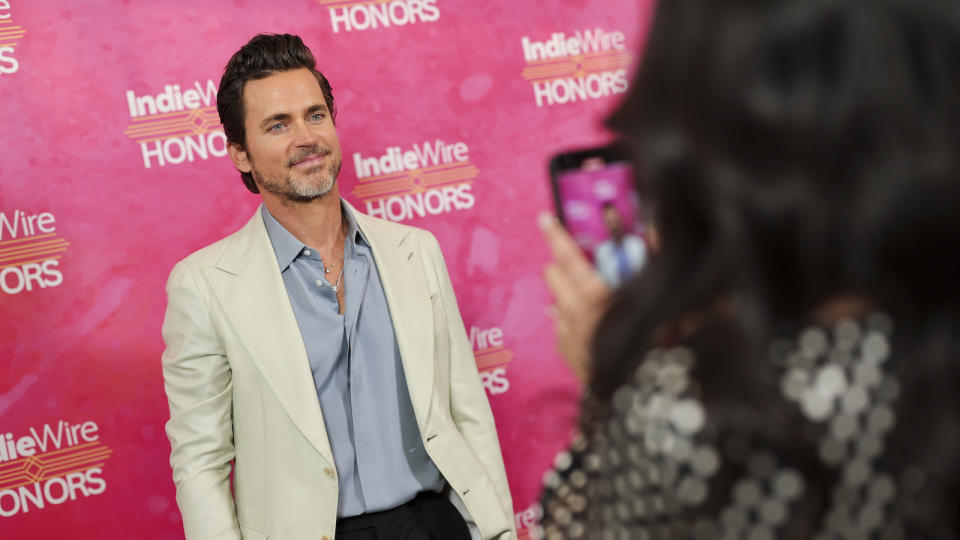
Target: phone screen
x: 597, y: 202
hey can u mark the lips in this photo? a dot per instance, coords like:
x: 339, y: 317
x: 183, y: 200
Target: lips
x: 311, y: 159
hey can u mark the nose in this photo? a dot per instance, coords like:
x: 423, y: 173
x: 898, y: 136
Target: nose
x: 303, y: 135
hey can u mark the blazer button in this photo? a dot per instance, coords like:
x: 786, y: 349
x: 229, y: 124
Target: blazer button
x: 330, y: 474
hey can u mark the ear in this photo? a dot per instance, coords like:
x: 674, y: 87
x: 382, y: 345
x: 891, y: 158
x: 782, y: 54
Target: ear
x: 239, y: 157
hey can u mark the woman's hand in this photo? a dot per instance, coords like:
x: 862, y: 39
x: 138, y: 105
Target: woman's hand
x: 580, y: 296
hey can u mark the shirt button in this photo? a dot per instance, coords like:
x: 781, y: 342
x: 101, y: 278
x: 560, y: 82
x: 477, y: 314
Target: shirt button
x: 319, y: 283
x: 325, y: 537
x: 329, y: 472
x: 306, y: 252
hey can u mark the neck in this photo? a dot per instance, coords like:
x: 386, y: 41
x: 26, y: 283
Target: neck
x: 318, y: 223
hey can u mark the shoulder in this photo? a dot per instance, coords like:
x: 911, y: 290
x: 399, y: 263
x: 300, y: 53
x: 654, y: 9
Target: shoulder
x: 211, y: 254
x: 397, y: 232
x: 604, y: 248
x: 636, y: 242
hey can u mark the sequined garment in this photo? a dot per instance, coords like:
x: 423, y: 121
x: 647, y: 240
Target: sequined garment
x: 659, y: 466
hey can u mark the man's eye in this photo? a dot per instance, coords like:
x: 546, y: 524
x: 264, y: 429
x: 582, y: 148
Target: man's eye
x: 317, y: 116
x: 275, y: 127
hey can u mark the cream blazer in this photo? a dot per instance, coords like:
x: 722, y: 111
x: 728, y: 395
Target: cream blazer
x: 240, y: 391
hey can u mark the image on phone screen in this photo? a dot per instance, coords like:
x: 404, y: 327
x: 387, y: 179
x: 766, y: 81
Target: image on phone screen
x: 596, y: 200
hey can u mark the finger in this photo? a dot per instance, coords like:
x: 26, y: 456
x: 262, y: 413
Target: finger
x: 563, y: 247
x: 565, y: 289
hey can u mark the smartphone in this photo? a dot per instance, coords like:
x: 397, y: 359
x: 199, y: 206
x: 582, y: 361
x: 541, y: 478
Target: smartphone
x: 595, y: 195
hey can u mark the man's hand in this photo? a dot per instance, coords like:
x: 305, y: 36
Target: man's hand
x: 580, y: 296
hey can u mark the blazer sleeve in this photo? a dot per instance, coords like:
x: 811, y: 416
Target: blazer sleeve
x: 197, y: 380
x: 468, y: 400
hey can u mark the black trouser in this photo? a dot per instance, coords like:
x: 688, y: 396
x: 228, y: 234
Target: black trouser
x: 429, y: 516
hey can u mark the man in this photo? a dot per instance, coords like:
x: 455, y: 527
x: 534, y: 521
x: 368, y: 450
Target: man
x: 623, y: 254
x: 318, y: 350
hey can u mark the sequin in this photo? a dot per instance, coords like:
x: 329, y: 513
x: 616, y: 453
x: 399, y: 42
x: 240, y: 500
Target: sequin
x: 882, y: 489
x: 846, y: 333
x: 867, y: 375
x: 706, y: 461
x: 880, y: 419
x: 788, y: 484
x: 830, y: 381
x: 832, y: 451
x: 869, y: 446
x: 875, y: 347
x: 855, y: 400
x: 794, y: 382
x: 813, y: 342
x: 844, y: 427
x: 815, y: 405
x: 760, y: 533
x: 673, y: 379
x: 687, y: 416
x: 856, y: 472
x: 578, y: 479
x: 639, y: 507
x: 551, y: 479
x: 691, y: 491
x: 747, y: 493
x: 773, y: 512
x: 733, y: 519
x: 682, y: 450
x: 869, y: 519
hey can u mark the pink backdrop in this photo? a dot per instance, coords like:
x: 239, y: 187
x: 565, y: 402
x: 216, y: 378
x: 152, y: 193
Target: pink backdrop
x: 112, y: 168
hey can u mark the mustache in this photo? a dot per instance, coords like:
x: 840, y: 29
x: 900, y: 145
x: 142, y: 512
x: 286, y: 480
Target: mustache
x: 307, y: 153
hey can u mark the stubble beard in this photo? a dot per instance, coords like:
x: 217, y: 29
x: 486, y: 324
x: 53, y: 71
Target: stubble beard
x: 305, y: 189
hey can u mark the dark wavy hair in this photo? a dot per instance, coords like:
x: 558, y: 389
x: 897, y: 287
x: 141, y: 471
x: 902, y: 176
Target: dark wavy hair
x: 798, y: 152
x: 262, y: 56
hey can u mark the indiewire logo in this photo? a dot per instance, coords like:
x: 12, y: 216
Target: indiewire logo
x: 589, y: 64
x: 50, y: 466
x: 430, y: 178
x: 10, y: 35
x: 351, y: 15
x: 176, y: 126
x: 29, y: 251
x: 492, y: 358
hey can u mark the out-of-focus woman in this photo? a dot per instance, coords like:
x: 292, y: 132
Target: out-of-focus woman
x: 787, y: 366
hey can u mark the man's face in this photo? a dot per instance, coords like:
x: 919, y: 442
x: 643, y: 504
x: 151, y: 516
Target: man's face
x: 611, y: 218
x: 292, y: 148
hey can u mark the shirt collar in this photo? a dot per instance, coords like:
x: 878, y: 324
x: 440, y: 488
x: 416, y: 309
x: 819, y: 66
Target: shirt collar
x: 286, y: 247
x: 353, y: 231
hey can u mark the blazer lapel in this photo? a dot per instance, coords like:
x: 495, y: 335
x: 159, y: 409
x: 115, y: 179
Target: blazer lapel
x: 408, y: 296
x: 247, y: 283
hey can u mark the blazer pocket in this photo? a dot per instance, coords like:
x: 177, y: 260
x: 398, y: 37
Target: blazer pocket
x: 251, y: 533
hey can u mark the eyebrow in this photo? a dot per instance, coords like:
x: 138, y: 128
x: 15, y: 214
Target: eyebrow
x: 282, y: 117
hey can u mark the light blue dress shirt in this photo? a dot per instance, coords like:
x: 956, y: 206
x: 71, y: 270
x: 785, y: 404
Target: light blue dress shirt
x: 377, y: 448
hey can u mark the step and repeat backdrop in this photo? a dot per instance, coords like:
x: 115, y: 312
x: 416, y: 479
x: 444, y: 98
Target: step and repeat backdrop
x: 113, y: 167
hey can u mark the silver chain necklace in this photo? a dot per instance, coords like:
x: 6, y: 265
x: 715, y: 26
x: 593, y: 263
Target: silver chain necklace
x: 336, y: 286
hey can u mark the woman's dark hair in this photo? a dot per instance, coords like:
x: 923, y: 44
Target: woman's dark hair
x: 261, y: 57
x: 797, y: 152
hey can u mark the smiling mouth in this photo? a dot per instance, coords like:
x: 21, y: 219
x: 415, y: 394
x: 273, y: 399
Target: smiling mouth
x: 312, y: 160
x: 307, y: 161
